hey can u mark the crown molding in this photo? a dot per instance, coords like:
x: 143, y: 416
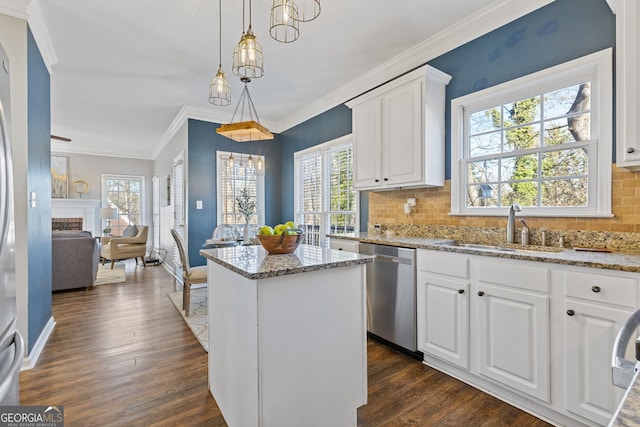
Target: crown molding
x: 29, y: 10
x: 41, y: 35
x: 498, y: 14
x: 15, y: 8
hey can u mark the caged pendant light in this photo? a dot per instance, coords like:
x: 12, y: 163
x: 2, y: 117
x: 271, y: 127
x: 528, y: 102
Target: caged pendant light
x: 308, y: 10
x: 247, y: 55
x: 219, y: 88
x: 284, y: 26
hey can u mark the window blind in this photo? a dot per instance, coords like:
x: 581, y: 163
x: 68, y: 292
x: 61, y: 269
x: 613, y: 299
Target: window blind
x: 325, y: 199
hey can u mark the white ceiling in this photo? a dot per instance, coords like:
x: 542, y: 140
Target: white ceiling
x: 127, y: 69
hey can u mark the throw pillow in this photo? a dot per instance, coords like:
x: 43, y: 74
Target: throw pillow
x: 130, y: 231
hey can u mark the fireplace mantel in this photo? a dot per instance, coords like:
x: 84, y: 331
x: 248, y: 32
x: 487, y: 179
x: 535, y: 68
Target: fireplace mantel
x: 87, y: 209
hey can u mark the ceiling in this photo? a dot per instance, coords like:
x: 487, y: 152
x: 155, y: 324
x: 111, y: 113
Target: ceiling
x: 124, y: 72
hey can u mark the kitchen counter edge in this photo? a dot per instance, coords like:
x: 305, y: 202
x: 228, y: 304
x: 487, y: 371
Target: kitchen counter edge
x: 620, y: 261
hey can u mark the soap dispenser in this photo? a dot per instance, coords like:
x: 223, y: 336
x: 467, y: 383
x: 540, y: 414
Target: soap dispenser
x: 524, y: 234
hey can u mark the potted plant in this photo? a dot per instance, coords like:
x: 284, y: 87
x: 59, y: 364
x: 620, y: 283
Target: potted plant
x: 247, y: 207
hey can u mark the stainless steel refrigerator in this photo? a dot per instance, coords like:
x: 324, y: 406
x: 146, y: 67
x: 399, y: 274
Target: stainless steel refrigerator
x: 11, y: 343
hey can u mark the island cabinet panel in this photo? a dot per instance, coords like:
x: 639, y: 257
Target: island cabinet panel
x: 288, y: 350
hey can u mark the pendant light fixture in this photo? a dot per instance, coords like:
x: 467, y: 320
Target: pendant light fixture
x: 308, y: 10
x: 219, y: 88
x: 284, y: 21
x: 247, y: 55
x: 249, y: 130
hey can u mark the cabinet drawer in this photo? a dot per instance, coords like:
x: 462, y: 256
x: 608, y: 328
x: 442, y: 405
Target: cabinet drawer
x: 602, y: 288
x: 516, y: 276
x: 448, y: 264
x: 343, y: 245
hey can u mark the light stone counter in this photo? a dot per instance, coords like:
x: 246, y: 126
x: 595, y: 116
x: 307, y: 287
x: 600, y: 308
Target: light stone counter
x: 622, y: 261
x: 253, y: 262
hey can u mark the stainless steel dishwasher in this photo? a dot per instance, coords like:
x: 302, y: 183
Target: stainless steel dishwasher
x: 391, y: 294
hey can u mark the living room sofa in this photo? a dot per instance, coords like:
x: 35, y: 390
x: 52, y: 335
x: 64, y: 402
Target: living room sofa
x: 75, y: 257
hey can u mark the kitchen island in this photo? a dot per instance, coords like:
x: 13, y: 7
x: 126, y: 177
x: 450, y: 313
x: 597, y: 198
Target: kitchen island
x: 287, y: 336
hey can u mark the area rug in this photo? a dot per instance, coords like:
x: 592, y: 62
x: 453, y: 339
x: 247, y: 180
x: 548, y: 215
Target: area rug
x: 198, y: 320
x: 107, y: 276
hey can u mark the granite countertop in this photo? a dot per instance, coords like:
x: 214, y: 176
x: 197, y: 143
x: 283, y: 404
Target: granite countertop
x: 622, y: 261
x: 253, y: 262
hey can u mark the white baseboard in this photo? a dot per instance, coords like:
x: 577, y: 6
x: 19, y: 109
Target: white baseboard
x: 31, y: 360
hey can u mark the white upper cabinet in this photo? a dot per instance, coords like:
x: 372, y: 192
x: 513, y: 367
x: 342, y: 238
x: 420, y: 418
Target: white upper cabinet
x: 398, y: 132
x: 627, y: 84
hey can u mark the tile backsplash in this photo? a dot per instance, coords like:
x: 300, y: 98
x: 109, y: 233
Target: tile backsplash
x: 431, y: 218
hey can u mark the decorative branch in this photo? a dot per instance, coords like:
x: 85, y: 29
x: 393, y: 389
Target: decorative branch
x: 246, y: 205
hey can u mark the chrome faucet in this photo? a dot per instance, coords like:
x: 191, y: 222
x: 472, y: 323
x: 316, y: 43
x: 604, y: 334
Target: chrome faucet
x: 511, y: 222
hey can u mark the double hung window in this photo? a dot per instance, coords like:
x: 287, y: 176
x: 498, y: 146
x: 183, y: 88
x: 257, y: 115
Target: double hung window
x: 325, y: 201
x: 126, y: 193
x: 542, y: 141
x: 239, y: 173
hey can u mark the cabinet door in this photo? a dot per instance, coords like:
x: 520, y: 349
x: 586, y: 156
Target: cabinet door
x: 513, y: 338
x: 443, y: 318
x: 627, y: 85
x: 402, y: 125
x: 366, y: 145
x: 590, y: 330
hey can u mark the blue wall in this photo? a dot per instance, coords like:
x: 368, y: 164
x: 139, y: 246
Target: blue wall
x: 203, y: 142
x: 559, y: 32
x: 324, y: 127
x: 39, y: 181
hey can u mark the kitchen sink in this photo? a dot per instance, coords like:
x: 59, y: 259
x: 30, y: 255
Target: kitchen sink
x: 507, y: 248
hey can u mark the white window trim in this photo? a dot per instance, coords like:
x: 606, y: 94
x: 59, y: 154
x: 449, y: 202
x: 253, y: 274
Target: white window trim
x: 143, y: 190
x: 260, y: 186
x: 596, y: 67
x: 322, y: 148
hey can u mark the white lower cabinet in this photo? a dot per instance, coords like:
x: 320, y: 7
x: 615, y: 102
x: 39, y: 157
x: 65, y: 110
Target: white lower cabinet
x: 443, y: 318
x: 595, y: 308
x: 538, y: 335
x: 513, y: 339
x: 443, y: 306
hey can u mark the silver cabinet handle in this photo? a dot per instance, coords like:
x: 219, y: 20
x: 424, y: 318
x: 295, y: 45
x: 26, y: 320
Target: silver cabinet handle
x: 622, y: 370
x: 16, y: 364
x: 631, y: 150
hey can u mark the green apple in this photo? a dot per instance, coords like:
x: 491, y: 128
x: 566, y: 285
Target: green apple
x: 291, y: 232
x: 291, y: 224
x: 280, y: 228
x: 266, y: 230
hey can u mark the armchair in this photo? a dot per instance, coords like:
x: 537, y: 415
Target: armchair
x: 119, y: 248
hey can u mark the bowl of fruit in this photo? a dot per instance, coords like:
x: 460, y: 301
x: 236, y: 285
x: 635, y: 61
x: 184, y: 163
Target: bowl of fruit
x: 281, y: 239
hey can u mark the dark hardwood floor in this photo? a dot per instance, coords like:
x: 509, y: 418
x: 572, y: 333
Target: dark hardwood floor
x: 121, y: 355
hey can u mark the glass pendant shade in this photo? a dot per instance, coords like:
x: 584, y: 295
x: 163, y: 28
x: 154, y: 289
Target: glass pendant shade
x: 284, y: 26
x: 247, y: 56
x: 220, y: 89
x: 308, y: 10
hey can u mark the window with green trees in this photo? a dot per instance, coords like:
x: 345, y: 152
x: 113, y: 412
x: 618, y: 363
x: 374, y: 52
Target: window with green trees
x: 542, y: 141
x: 325, y: 201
